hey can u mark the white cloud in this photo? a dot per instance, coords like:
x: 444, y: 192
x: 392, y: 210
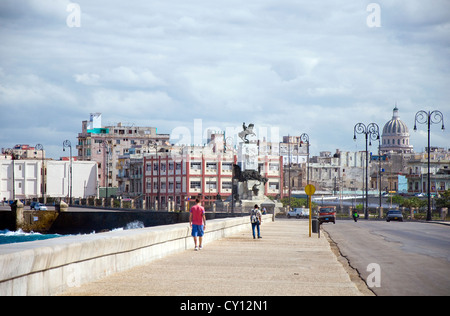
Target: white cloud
x: 299, y: 65
x: 87, y: 79
x: 121, y: 76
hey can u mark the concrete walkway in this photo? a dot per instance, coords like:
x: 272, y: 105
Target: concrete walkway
x: 285, y: 262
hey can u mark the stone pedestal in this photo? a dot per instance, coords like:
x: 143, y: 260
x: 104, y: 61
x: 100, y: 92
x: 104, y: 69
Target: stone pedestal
x: 248, y: 156
x: 17, y: 209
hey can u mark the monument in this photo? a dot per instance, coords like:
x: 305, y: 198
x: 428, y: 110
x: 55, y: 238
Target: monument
x: 248, y: 183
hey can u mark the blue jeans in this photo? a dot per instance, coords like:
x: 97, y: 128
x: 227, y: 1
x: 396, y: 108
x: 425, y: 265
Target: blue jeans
x: 253, y: 229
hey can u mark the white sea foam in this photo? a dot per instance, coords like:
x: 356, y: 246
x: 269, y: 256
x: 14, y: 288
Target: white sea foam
x: 8, y: 237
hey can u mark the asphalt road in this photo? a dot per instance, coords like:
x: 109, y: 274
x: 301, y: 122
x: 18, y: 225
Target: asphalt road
x: 396, y: 258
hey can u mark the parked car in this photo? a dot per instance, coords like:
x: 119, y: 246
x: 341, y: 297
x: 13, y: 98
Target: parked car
x: 33, y: 205
x: 394, y: 215
x: 298, y: 213
x: 40, y: 207
x: 327, y: 214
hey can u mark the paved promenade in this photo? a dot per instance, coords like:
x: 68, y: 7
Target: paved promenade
x: 285, y: 262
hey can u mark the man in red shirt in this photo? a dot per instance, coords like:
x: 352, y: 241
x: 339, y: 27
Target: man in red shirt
x: 197, y: 220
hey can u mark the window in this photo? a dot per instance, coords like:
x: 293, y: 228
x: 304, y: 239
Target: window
x: 196, y: 185
x: 274, y: 167
x: 274, y: 185
x: 196, y: 165
x: 226, y: 185
x: 211, y: 185
x: 227, y: 166
x: 211, y: 166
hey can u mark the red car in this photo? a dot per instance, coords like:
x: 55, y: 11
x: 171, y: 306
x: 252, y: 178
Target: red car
x: 327, y: 214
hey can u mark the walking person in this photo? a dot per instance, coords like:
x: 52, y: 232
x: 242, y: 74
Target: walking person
x: 255, y: 219
x: 197, y: 221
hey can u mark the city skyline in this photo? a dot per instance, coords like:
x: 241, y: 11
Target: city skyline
x: 298, y: 67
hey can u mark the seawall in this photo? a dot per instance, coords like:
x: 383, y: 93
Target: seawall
x: 85, y: 221
x: 49, y: 267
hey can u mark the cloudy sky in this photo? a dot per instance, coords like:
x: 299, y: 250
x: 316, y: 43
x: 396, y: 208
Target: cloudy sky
x: 316, y: 67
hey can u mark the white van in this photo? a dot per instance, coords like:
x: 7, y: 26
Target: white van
x: 299, y: 212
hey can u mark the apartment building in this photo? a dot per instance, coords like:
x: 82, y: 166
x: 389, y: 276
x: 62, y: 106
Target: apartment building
x: 22, y: 151
x: 105, y: 144
x: 27, y: 179
x: 417, y: 172
x: 185, y: 173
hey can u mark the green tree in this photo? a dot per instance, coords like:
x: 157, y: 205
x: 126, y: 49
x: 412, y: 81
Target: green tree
x: 295, y: 202
x: 413, y: 202
x: 444, y: 200
x: 397, y: 199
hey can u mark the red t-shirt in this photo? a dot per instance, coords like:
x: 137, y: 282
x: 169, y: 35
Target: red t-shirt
x: 197, y: 212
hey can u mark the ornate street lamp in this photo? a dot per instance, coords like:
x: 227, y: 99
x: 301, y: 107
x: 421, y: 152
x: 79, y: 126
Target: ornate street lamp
x: 66, y: 144
x: 104, y: 144
x: 304, y: 138
x: 41, y: 147
x: 429, y: 118
x: 10, y: 151
x: 372, y: 131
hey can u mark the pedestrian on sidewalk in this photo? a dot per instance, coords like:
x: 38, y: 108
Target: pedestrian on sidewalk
x: 197, y: 221
x: 255, y: 219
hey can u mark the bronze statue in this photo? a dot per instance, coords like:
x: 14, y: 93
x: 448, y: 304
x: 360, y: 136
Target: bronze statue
x: 246, y: 132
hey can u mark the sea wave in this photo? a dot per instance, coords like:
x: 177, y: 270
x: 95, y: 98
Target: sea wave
x: 10, y: 237
x: 132, y: 225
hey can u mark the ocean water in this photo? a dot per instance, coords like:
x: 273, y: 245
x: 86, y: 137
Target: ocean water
x: 9, y: 237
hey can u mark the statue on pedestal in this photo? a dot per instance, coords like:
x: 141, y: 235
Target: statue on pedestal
x: 246, y: 132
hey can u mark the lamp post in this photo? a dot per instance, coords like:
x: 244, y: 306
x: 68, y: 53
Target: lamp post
x: 40, y: 147
x: 13, y: 157
x: 371, y: 131
x: 304, y: 138
x: 66, y: 144
x: 429, y: 118
x: 154, y: 144
x: 229, y: 146
x: 104, y: 144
